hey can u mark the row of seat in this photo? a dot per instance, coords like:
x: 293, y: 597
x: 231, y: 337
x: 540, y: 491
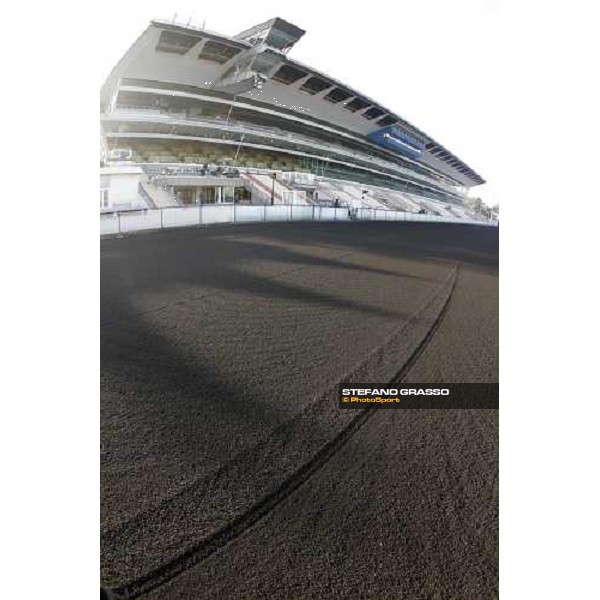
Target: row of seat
x: 258, y: 160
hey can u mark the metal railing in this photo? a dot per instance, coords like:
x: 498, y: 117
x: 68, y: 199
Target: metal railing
x: 209, y: 214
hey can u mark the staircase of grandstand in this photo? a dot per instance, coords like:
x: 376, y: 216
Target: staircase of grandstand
x: 463, y: 213
x: 146, y: 197
x: 158, y: 193
x: 459, y: 211
x: 436, y: 208
x: 329, y: 191
x: 394, y: 200
x: 359, y: 195
x: 263, y: 186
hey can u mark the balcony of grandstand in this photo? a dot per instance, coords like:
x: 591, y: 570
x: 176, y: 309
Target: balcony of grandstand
x: 162, y: 113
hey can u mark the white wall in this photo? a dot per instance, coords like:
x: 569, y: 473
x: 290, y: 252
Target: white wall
x: 122, y: 185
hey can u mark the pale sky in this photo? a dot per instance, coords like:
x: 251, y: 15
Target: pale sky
x: 433, y: 62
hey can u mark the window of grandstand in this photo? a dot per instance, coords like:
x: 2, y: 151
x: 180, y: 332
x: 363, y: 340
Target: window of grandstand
x: 279, y: 40
x: 217, y: 52
x: 337, y: 95
x: 387, y: 120
x: 288, y: 74
x: 356, y: 104
x: 314, y: 85
x: 175, y: 42
x: 373, y: 113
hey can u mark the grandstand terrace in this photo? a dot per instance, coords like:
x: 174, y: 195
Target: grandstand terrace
x: 208, y: 117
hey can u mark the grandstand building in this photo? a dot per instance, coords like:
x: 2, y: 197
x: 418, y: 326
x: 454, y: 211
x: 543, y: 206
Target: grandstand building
x: 211, y: 119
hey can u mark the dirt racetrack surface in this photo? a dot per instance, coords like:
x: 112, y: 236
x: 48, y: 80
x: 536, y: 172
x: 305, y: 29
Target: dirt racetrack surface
x: 227, y: 469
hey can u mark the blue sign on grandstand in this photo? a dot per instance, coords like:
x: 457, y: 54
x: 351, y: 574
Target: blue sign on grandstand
x: 396, y: 140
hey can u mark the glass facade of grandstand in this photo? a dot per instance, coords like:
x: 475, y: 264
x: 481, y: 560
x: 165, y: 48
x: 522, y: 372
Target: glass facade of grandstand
x: 210, y: 118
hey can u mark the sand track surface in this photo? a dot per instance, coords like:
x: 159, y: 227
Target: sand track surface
x: 221, y: 441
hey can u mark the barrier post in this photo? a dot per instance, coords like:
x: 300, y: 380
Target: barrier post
x: 119, y: 221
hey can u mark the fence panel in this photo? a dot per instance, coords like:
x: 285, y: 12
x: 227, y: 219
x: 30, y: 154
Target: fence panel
x: 139, y: 221
x: 249, y: 214
x: 109, y: 224
x: 207, y: 214
x: 324, y: 213
x: 278, y: 213
x: 302, y: 213
x: 341, y: 214
x: 185, y: 216
x: 217, y: 213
